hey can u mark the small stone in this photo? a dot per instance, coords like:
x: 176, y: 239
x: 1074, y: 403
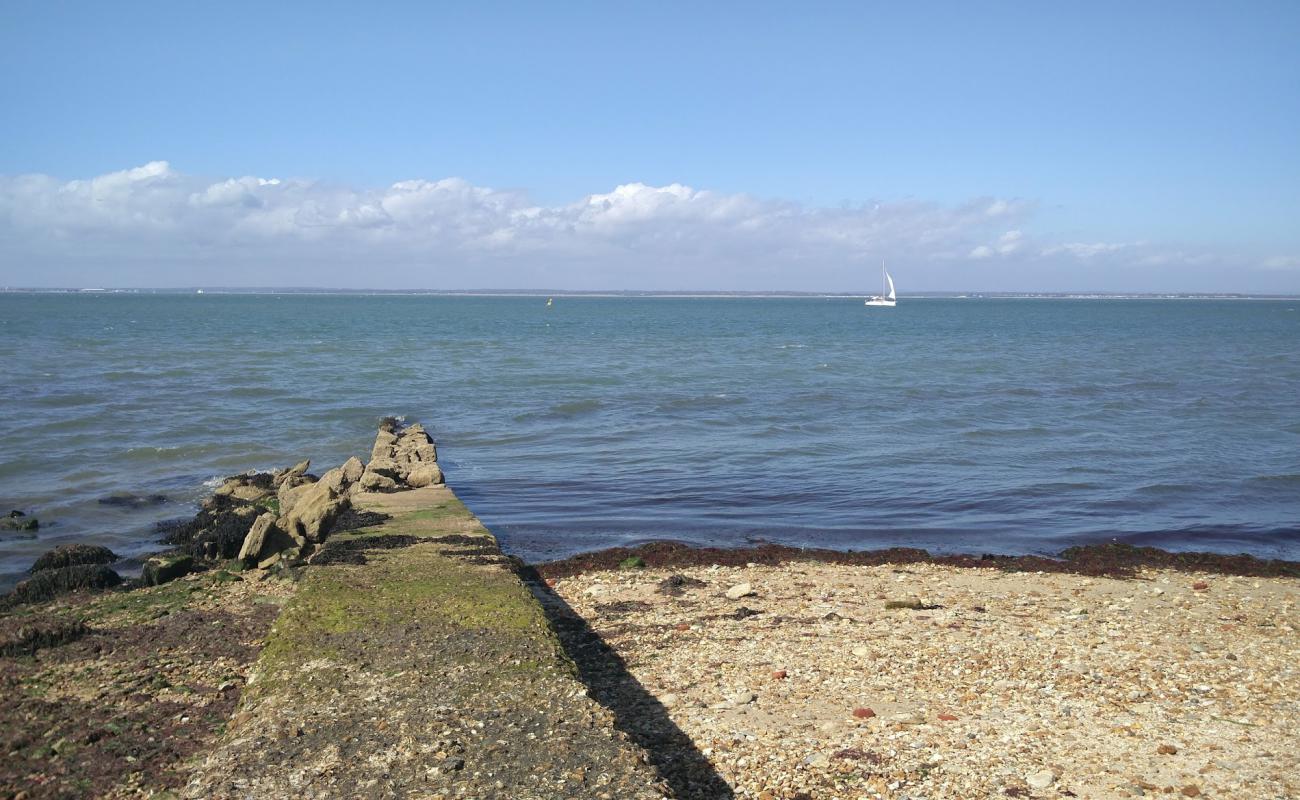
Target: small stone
x: 740, y: 590
x: 863, y: 713
x: 861, y: 651
x: 743, y: 697
x: 948, y: 717
x: 1200, y: 586
x: 1041, y: 779
x: 779, y: 674
x: 1191, y: 790
x: 668, y: 700
x: 1167, y: 750
x: 682, y: 626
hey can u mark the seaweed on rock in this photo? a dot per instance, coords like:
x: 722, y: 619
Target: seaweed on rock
x: 50, y: 583
x: 71, y: 555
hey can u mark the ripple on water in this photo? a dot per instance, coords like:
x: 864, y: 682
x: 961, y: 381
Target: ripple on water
x: 977, y: 424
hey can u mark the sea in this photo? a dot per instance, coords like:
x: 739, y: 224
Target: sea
x: 980, y: 425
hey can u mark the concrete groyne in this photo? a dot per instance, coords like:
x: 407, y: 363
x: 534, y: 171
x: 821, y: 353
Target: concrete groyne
x: 412, y: 661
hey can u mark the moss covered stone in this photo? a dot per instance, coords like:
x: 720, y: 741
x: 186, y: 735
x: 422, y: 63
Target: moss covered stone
x: 163, y: 569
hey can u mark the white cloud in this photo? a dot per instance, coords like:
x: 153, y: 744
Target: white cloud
x: 1281, y: 263
x: 1086, y: 250
x: 154, y: 225
x: 1007, y: 244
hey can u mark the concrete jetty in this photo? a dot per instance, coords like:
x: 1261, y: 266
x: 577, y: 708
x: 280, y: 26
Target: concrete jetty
x: 413, y: 661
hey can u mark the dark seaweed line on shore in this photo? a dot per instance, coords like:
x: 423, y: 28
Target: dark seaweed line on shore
x: 1114, y: 559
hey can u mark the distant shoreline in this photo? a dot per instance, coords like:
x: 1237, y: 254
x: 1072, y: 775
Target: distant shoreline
x: 633, y: 293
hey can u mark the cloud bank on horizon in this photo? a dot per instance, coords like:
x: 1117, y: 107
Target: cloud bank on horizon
x: 155, y: 226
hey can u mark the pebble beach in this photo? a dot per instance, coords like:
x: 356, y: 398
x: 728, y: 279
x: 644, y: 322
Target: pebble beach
x: 832, y: 681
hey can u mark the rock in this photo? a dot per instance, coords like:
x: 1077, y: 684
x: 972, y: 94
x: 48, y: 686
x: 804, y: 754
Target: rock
x: 668, y: 700
x: 818, y: 760
x: 217, y: 531
x: 296, y: 471
x: 49, y: 583
x: 18, y: 521
x: 682, y: 626
x: 1167, y: 750
x: 1041, y: 779
x: 907, y: 718
x: 779, y: 674
x: 424, y: 475
x: 861, y: 651
x: 373, y: 482
x: 1200, y: 586
x: 162, y: 569
x: 863, y: 713
x: 293, y: 481
x: 740, y: 590
x: 314, y: 511
x: 249, y: 494
x: 335, y: 480
x: 289, y: 494
x: 353, y: 469
x: 387, y: 467
x: 70, y: 555
x: 1190, y: 790
x: 948, y: 717
x: 248, y: 488
x: 743, y: 697
x: 254, y: 542
x: 401, y: 456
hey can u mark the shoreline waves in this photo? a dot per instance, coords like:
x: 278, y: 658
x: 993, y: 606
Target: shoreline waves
x: 946, y: 424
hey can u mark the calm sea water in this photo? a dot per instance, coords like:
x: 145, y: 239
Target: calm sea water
x: 958, y: 425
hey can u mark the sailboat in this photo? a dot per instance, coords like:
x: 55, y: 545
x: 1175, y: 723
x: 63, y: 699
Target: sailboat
x: 550, y: 301
x: 886, y: 298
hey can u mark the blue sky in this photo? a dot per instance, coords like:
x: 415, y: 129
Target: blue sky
x: 1166, y: 132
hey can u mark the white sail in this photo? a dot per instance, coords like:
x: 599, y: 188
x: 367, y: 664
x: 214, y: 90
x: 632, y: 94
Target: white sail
x: 887, y: 297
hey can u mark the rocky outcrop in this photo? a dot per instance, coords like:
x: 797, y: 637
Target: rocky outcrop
x: 49, y: 583
x: 402, y: 458
x: 218, y: 530
x: 71, y: 555
x: 265, y: 518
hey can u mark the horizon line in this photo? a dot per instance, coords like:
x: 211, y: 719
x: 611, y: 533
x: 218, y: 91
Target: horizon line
x: 667, y: 293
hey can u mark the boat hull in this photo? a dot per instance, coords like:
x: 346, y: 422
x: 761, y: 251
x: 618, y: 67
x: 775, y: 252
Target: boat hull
x: 880, y: 301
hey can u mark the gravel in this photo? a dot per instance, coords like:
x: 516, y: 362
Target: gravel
x: 998, y: 684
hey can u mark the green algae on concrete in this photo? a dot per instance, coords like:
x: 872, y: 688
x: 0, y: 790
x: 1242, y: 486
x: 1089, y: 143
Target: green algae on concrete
x: 419, y: 666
